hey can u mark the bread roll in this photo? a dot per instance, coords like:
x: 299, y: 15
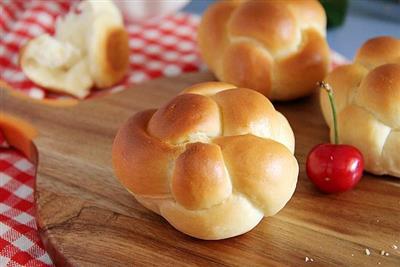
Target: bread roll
x: 275, y: 47
x: 88, y: 49
x: 213, y: 161
x: 367, y: 95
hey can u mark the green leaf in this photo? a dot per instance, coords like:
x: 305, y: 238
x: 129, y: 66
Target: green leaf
x: 335, y: 11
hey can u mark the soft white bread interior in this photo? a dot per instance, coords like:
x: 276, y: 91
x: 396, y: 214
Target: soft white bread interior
x: 275, y: 47
x: 367, y: 96
x: 213, y: 161
x: 89, y: 48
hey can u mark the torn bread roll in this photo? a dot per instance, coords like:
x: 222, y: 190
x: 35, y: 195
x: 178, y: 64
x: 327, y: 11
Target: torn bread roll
x: 89, y: 48
x: 367, y: 96
x: 213, y: 161
x: 275, y: 47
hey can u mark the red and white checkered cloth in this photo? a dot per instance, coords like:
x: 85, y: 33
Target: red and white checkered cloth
x: 158, y: 48
x: 163, y: 48
x: 19, y: 241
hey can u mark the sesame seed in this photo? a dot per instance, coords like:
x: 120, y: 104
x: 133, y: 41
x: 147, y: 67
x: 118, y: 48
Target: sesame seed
x: 382, y: 252
x: 379, y: 263
x: 306, y: 259
x: 352, y: 254
x: 367, y: 252
x: 387, y: 254
x: 394, y: 246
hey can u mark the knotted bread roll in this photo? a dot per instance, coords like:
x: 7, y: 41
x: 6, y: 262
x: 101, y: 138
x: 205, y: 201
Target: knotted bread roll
x: 213, y: 161
x: 275, y: 47
x: 367, y: 95
x: 89, y: 48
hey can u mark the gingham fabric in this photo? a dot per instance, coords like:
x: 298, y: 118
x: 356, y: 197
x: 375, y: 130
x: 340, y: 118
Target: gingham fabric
x: 158, y: 48
x: 163, y: 48
x: 19, y: 242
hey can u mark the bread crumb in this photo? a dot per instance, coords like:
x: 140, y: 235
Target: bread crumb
x: 367, y: 252
x: 307, y: 259
x: 384, y: 253
x: 394, y: 246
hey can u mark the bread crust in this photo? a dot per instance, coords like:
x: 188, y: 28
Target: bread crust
x: 367, y: 96
x: 110, y: 56
x: 98, y: 41
x: 213, y: 161
x: 275, y: 47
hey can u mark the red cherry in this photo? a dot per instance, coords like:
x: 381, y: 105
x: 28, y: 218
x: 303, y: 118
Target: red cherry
x: 334, y: 168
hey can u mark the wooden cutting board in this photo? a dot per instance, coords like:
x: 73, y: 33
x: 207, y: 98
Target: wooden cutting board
x: 87, y: 218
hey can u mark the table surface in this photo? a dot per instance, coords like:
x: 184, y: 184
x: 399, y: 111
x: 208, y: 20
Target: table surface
x: 87, y: 218
x: 365, y: 19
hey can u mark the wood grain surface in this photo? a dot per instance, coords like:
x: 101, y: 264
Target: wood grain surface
x: 87, y: 218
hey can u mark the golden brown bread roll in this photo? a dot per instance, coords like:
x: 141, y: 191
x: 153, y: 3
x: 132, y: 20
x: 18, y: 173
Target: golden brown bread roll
x: 213, y: 161
x: 275, y: 47
x: 89, y: 48
x: 367, y: 95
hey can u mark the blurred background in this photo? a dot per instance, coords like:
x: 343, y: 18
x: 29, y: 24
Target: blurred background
x: 351, y: 22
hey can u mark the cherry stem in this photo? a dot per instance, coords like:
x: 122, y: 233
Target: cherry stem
x: 326, y: 86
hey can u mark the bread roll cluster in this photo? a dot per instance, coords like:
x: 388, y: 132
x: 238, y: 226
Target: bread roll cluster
x: 275, y: 47
x: 213, y: 161
x: 367, y: 95
x: 90, y: 48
